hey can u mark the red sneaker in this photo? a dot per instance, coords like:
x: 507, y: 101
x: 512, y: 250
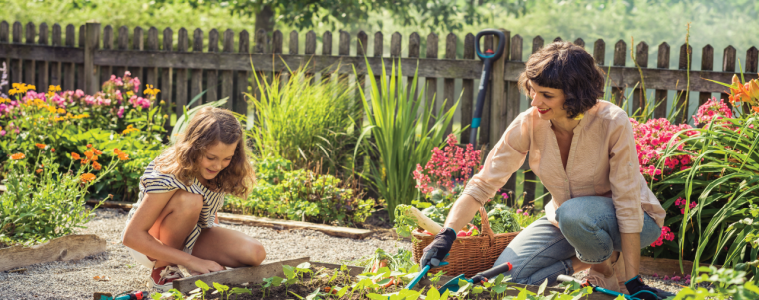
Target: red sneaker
x: 162, y: 277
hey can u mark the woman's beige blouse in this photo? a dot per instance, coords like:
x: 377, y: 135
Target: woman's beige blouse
x: 602, y: 162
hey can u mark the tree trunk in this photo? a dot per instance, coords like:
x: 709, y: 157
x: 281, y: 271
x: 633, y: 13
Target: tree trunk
x: 265, y: 20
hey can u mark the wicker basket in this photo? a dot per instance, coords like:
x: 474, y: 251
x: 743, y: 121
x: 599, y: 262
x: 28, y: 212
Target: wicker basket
x: 471, y: 254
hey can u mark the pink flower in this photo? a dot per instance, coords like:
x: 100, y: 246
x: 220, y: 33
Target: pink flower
x: 136, y: 82
x: 655, y: 275
x: 519, y: 211
x: 118, y: 96
x: 526, y: 214
x: 79, y: 93
x: 687, y: 282
x: 2, y: 132
x: 666, y: 277
x: 121, y: 112
x: 676, y: 278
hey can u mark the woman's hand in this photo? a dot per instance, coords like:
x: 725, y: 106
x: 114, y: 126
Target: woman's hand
x: 203, y: 266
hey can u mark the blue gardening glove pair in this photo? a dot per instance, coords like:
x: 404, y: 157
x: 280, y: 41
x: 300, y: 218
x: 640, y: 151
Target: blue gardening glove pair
x: 640, y: 290
x: 436, y: 251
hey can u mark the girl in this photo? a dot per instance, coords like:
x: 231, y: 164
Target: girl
x: 174, y: 220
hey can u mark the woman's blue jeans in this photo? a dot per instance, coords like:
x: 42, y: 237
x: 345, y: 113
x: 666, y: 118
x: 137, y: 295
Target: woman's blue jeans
x: 587, y: 229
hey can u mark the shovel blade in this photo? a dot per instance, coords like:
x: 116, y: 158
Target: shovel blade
x: 452, y: 285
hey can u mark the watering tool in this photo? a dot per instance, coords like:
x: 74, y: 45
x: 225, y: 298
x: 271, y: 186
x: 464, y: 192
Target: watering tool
x: 453, y: 284
x: 637, y: 296
x: 487, y: 58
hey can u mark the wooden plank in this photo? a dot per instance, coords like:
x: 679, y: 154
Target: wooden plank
x: 362, y: 44
x: 151, y: 73
x: 449, y: 83
x: 728, y: 65
x: 138, y: 44
x: 660, y: 95
x: 122, y: 44
x: 239, y: 105
x: 557, y: 39
x: 431, y: 101
x: 90, y: 69
x: 212, y: 75
x: 196, y: 74
x: 467, y: 90
x: 70, y: 247
x: 43, y: 72
x: 378, y: 52
x: 30, y: 65
x: 327, y: 43
x: 499, y: 113
x: 55, y: 66
x: 395, y: 44
x: 16, y: 64
x: 227, y: 79
x: 310, y: 43
x: 5, y: 38
x: 106, y: 71
x: 599, y: 52
x: 276, y: 42
x: 666, y: 266
x: 181, y: 101
x: 239, y: 275
x: 512, y: 105
x: 293, y: 46
x: 579, y: 42
x: 641, y: 61
x: 167, y: 78
x: 413, y: 53
x: 354, y: 233
x: 80, y: 66
x: 752, y: 57
x: 69, y: 68
x: 682, y: 102
x: 620, y: 56
x: 537, y: 44
x: 707, y: 64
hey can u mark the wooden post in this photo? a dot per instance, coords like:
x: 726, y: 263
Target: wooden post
x: 413, y: 52
x: 227, y: 79
x: 44, y: 66
x: 106, y: 71
x: 16, y: 64
x: 431, y: 102
x: 69, y: 69
x: 29, y: 65
x: 639, y: 100
x: 183, y: 42
x: 138, y: 44
x: 752, y: 57
x: 55, y: 67
x: 240, y: 105
x: 467, y: 91
x: 152, y: 72
x: 92, y: 36
x: 293, y: 47
x: 620, y: 56
x: 395, y: 53
x: 326, y: 51
x: 599, y: 52
x: 310, y: 52
x: 196, y: 75
x: 662, y: 62
x: 449, y: 86
x: 362, y: 44
x: 212, y: 76
x: 682, y: 103
x: 500, y: 111
x: 728, y: 65
x: 579, y: 42
x: 167, y: 79
x: 123, y: 45
x: 80, y: 67
x: 707, y: 64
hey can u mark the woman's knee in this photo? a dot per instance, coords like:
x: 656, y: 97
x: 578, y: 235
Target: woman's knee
x: 187, y: 203
x: 255, y: 252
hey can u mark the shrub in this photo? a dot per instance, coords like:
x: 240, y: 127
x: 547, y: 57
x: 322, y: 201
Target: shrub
x: 302, y: 195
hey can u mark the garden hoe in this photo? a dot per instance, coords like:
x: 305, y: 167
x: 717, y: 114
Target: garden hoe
x: 453, y: 284
x: 661, y: 295
x: 488, y: 58
x: 424, y: 272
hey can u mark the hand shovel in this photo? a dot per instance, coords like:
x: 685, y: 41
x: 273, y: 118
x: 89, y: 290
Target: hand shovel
x: 453, y: 284
x: 424, y: 272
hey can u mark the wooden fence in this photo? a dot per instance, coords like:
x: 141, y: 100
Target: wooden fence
x: 38, y: 56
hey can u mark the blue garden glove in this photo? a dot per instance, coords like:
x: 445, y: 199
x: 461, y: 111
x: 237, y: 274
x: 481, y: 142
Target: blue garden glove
x: 640, y: 290
x: 436, y: 251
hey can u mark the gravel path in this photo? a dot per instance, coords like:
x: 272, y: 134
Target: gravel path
x: 74, y: 279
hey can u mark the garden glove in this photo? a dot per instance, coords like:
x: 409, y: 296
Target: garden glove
x: 436, y: 251
x: 640, y: 290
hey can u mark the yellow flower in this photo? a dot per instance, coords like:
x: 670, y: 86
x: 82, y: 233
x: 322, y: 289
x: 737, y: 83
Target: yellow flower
x: 151, y: 91
x: 129, y: 129
x: 4, y: 100
x: 54, y: 88
x: 61, y: 111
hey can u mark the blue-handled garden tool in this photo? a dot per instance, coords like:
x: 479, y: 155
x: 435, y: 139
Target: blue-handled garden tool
x: 424, y: 272
x: 566, y: 278
x: 487, y: 58
x: 453, y: 284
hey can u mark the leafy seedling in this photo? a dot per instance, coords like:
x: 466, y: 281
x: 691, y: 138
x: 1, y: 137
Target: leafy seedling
x: 271, y: 282
x: 221, y: 289
x: 238, y: 291
x: 203, y: 286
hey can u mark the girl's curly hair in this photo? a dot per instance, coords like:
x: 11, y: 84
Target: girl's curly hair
x: 568, y: 67
x: 208, y: 127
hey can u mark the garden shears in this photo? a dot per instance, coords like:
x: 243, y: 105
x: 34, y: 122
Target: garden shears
x: 453, y: 284
x: 487, y: 58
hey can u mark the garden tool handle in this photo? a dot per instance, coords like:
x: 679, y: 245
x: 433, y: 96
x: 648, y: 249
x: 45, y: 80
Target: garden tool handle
x: 487, y: 60
x: 493, y: 272
x: 499, y: 49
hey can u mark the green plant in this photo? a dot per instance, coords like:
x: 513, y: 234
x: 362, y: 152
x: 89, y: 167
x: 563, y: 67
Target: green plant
x: 400, y: 133
x: 305, y: 121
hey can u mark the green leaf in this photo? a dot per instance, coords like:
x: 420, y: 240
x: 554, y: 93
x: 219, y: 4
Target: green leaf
x: 433, y: 294
x: 239, y: 290
x: 220, y: 287
x: 289, y: 271
x: 542, y: 287
x: 202, y: 285
x: 296, y: 295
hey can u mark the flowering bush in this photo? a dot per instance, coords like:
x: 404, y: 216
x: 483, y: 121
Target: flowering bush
x: 651, y: 138
x: 713, y: 109
x: 42, y: 203
x: 747, y: 92
x: 447, y: 167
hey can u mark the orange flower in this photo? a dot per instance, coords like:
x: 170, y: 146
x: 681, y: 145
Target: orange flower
x: 116, y: 150
x: 753, y: 88
x: 123, y: 156
x: 738, y: 92
x: 85, y: 161
x: 94, y: 158
x: 18, y: 156
x: 75, y: 156
x: 89, y: 145
x: 52, y: 150
x: 41, y: 146
x: 88, y: 153
x: 39, y: 171
x: 98, y: 152
x: 87, y: 177
x: 96, y: 166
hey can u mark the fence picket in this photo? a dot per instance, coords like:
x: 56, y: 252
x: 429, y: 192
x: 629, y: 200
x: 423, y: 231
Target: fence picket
x: 151, y: 73
x: 106, y: 71
x: 293, y: 42
x: 167, y: 78
x: 92, y: 44
x: 327, y: 43
x: 212, y: 75
x: 16, y: 64
x: 69, y: 69
x: 467, y: 91
x: 395, y: 44
x: 728, y: 65
x: 707, y: 64
x: 55, y: 66
x: 660, y: 95
x: 43, y: 66
x: 183, y: 43
x: 557, y: 39
x: 579, y: 42
x: 449, y: 84
x: 196, y: 75
x: 227, y: 79
x: 378, y: 52
x: 620, y: 56
x: 310, y: 51
x: 599, y: 52
x: 123, y: 45
x: 537, y: 44
x: 243, y: 77
x: 362, y: 44
x: 641, y: 61
x: 4, y: 38
x: 683, y: 101
x: 277, y: 40
x: 752, y: 56
x: 30, y: 65
x: 138, y: 43
x: 431, y: 82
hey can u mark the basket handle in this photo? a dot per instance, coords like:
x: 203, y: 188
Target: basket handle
x: 486, y: 230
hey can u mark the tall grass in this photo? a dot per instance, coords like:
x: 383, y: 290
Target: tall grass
x: 398, y: 124
x: 303, y: 120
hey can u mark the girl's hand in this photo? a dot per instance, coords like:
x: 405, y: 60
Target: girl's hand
x: 203, y: 266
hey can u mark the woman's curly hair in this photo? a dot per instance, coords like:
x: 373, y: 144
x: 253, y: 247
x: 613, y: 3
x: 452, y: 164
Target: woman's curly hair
x: 568, y: 67
x: 208, y: 127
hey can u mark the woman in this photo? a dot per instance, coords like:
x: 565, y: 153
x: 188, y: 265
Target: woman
x: 584, y: 152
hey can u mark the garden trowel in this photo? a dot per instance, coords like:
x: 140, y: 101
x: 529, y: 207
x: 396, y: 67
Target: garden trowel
x: 453, y: 284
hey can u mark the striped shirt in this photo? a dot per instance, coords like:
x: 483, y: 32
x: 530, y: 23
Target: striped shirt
x: 153, y: 181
